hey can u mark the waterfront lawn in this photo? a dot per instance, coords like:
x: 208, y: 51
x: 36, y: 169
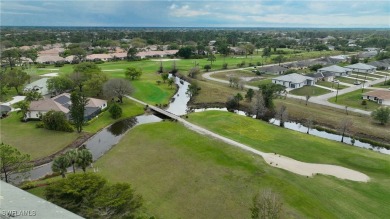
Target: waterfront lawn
x: 309, y: 90
x: 331, y: 85
x: 129, y: 109
x: 192, y: 176
x: 37, y: 142
x: 354, y: 99
x: 214, y: 92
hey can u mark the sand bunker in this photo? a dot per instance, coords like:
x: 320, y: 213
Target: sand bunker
x: 50, y: 75
x: 164, y: 60
x: 311, y: 169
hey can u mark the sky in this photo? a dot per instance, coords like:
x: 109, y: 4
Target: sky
x: 198, y: 13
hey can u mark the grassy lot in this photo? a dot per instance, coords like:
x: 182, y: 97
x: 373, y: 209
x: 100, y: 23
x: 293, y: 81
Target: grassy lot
x: 331, y: 85
x: 312, y: 90
x: 259, y: 82
x: 347, y: 80
x: 354, y: 99
x: 382, y: 85
x: 361, y: 76
x: 363, y: 126
x: 28, y: 139
x: 238, y: 73
x: 129, y: 109
x: 383, y: 74
x: 193, y: 176
x: 212, y: 92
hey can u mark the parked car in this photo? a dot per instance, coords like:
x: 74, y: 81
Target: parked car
x: 357, y: 83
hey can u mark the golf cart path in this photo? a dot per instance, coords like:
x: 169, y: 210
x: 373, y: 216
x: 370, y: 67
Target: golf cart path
x: 275, y: 160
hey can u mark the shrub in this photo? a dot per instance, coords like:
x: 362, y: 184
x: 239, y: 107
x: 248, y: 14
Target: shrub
x: 115, y: 111
x: 41, y: 65
x: 53, y: 120
x: 98, y: 62
x: 364, y: 102
x: 59, y: 64
x: 28, y: 185
x: 39, y: 125
x: 224, y: 65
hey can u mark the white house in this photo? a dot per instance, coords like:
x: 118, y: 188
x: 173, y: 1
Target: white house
x: 62, y: 103
x: 336, y: 70
x: 293, y: 80
x: 40, y: 86
x: 360, y: 67
x: 379, y: 96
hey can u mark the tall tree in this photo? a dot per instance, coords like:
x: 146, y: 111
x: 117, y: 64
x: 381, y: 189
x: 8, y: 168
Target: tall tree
x: 94, y: 86
x: 33, y: 95
x: 72, y: 156
x: 84, y: 159
x: 133, y: 73
x: 11, y: 55
x: 249, y: 94
x: 12, y: 161
x: 60, y: 165
x: 381, y: 114
x: 171, y: 82
x: 282, y: 115
x: 185, y: 52
x: 23, y: 106
x: 16, y: 78
x: 211, y: 58
x: 131, y: 54
x: 77, y: 109
x: 117, y: 88
x: 59, y: 84
x: 192, y: 90
x: 257, y: 105
x: 344, y: 126
x: 164, y: 77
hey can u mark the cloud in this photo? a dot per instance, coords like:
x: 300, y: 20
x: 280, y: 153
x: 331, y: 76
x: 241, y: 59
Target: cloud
x: 186, y: 11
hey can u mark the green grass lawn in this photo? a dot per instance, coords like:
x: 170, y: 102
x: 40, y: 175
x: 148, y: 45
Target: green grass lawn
x: 347, y: 80
x: 354, y: 99
x: 129, y: 109
x: 382, y: 85
x: 383, y: 74
x: 259, y: 82
x: 331, y: 85
x: 28, y: 139
x: 312, y: 90
x: 192, y: 176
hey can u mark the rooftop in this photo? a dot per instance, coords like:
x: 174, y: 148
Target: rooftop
x: 361, y: 66
x: 381, y: 94
x: 294, y: 78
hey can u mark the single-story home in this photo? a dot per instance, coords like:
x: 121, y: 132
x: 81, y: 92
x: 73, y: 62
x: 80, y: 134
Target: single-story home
x: 62, y: 103
x: 275, y: 69
x: 365, y: 55
x: 40, y: 86
x: 293, y: 80
x: 101, y: 57
x: 379, y: 96
x: 380, y: 65
x: 49, y: 59
x: 361, y: 67
x: 322, y: 76
x: 157, y: 54
x: 336, y: 70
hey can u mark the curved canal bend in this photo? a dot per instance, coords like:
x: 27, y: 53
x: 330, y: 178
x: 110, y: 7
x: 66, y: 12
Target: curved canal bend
x: 105, y: 139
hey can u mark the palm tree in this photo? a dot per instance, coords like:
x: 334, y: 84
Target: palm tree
x: 84, y: 159
x: 72, y: 156
x: 60, y: 164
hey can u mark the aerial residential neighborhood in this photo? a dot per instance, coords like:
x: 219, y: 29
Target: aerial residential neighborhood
x: 188, y: 109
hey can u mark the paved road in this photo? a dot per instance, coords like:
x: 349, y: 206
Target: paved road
x: 321, y: 100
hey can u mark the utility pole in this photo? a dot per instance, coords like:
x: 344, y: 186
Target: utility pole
x: 385, y: 80
x: 337, y: 92
x: 365, y: 78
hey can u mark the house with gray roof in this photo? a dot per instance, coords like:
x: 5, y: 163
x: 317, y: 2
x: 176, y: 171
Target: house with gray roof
x: 382, y: 65
x: 365, y: 55
x: 39, y: 86
x: 62, y: 103
x: 361, y: 67
x: 17, y: 203
x: 336, y: 70
x: 293, y: 80
x: 275, y: 69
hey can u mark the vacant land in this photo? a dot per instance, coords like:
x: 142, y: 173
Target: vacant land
x: 347, y: 80
x: 330, y: 117
x: 309, y: 90
x: 222, y: 179
x: 354, y: 99
x: 37, y: 142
